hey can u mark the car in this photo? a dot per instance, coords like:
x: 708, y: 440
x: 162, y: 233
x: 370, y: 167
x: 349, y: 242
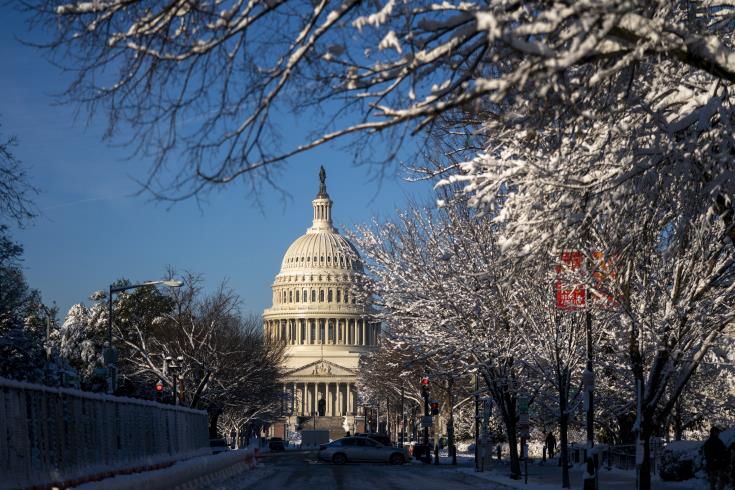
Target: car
x: 381, y: 438
x: 276, y: 444
x: 218, y: 446
x: 354, y: 449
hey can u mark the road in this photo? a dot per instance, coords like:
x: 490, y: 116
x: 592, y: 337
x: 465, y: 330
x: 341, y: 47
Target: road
x: 302, y: 471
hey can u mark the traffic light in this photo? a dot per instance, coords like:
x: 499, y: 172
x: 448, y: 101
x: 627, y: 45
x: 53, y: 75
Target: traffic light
x: 435, y: 408
x: 159, y: 391
x: 425, y: 387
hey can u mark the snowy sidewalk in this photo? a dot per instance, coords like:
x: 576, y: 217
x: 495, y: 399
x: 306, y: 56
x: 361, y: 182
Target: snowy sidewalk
x: 548, y: 476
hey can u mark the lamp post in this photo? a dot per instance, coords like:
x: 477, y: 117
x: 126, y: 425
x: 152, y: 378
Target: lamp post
x: 110, y: 355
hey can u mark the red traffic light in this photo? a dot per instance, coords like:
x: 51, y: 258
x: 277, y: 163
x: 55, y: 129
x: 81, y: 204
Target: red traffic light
x: 159, y: 386
x: 425, y: 380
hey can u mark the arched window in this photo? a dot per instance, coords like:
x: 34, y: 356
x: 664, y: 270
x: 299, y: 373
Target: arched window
x: 347, y: 297
x: 297, y: 295
x: 329, y: 296
x: 339, y: 294
x: 313, y: 295
x: 321, y: 296
x: 290, y: 296
x: 305, y: 296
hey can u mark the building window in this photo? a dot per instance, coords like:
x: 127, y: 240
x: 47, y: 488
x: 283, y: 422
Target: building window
x: 321, y: 296
x: 290, y: 296
x: 339, y: 293
x: 313, y: 295
x: 305, y: 296
x: 329, y: 296
x: 297, y: 295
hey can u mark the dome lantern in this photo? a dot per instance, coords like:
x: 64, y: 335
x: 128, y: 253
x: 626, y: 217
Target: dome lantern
x: 322, y: 207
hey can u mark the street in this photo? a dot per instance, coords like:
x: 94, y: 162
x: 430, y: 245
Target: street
x: 301, y: 470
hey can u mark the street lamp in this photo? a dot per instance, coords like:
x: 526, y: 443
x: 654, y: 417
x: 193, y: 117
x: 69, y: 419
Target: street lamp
x: 110, y: 356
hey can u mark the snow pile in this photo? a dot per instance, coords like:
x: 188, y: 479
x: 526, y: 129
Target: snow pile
x: 194, y: 472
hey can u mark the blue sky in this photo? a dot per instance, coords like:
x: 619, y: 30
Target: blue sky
x: 92, y: 230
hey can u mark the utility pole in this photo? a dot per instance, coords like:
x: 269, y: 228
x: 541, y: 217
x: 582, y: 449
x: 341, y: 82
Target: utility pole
x: 450, y: 426
x: 477, y: 421
x: 589, y: 385
x: 403, y: 419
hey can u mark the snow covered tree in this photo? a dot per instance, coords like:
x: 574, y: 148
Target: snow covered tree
x: 555, y: 348
x: 437, y: 285
x: 223, y: 361
x: 22, y: 318
x: 394, y: 66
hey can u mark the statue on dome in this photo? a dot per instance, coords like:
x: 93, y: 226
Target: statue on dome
x: 322, y: 185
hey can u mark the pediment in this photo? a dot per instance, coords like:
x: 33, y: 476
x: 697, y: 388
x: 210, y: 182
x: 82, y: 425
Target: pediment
x: 322, y: 368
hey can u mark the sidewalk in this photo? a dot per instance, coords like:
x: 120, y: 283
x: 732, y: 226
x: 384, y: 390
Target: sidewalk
x: 547, y: 476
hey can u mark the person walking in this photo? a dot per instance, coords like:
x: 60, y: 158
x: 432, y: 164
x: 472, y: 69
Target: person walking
x: 715, y: 456
x: 551, y: 444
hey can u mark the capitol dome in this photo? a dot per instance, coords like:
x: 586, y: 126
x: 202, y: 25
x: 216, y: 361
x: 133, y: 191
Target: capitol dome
x: 319, y: 316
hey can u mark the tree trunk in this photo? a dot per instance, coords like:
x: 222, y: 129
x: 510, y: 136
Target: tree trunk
x: 515, y: 464
x: 564, y: 442
x: 678, y: 429
x: 645, y: 475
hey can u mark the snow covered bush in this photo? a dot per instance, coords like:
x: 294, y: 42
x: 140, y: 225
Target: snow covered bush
x: 678, y: 460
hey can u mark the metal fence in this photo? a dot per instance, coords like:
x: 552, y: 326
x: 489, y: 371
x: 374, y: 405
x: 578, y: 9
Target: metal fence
x: 57, y: 434
x: 623, y: 456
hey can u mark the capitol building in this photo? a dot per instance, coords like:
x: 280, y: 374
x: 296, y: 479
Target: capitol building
x: 325, y: 326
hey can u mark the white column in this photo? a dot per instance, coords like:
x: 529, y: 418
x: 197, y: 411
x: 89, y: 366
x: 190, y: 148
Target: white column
x: 294, y: 406
x: 350, y: 399
x: 315, y: 398
x: 333, y: 399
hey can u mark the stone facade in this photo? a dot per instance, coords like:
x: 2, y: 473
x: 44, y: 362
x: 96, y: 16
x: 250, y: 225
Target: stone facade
x: 325, y: 326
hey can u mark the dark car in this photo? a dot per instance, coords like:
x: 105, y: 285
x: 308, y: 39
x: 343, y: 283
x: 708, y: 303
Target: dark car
x: 381, y: 438
x: 276, y: 444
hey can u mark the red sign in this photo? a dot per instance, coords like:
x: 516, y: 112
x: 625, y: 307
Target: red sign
x: 569, y: 298
x: 575, y: 297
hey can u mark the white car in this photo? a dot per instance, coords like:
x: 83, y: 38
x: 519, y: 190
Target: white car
x: 361, y: 449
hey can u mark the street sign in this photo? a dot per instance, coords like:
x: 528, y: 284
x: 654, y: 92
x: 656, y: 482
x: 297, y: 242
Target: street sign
x: 523, y: 404
x: 426, y: 421
x: 523, y: 419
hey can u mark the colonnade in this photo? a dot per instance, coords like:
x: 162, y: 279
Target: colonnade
x: 334, y: 331
x: 304, y: 397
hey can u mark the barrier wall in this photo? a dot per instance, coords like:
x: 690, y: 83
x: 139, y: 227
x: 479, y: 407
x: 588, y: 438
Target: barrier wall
x: 59, y: 434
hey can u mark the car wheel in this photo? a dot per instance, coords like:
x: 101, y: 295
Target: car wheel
x: 339, y: 458
x: 396, y: 458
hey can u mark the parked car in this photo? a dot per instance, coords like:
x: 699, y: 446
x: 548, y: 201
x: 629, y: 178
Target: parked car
x: 362, y: 449
x: 218, y: 446
x: 276, y: 444
x: 381, y: 438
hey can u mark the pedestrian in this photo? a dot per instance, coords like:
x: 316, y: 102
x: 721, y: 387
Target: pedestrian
x: 551, y: 444
x: 716, y: 459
